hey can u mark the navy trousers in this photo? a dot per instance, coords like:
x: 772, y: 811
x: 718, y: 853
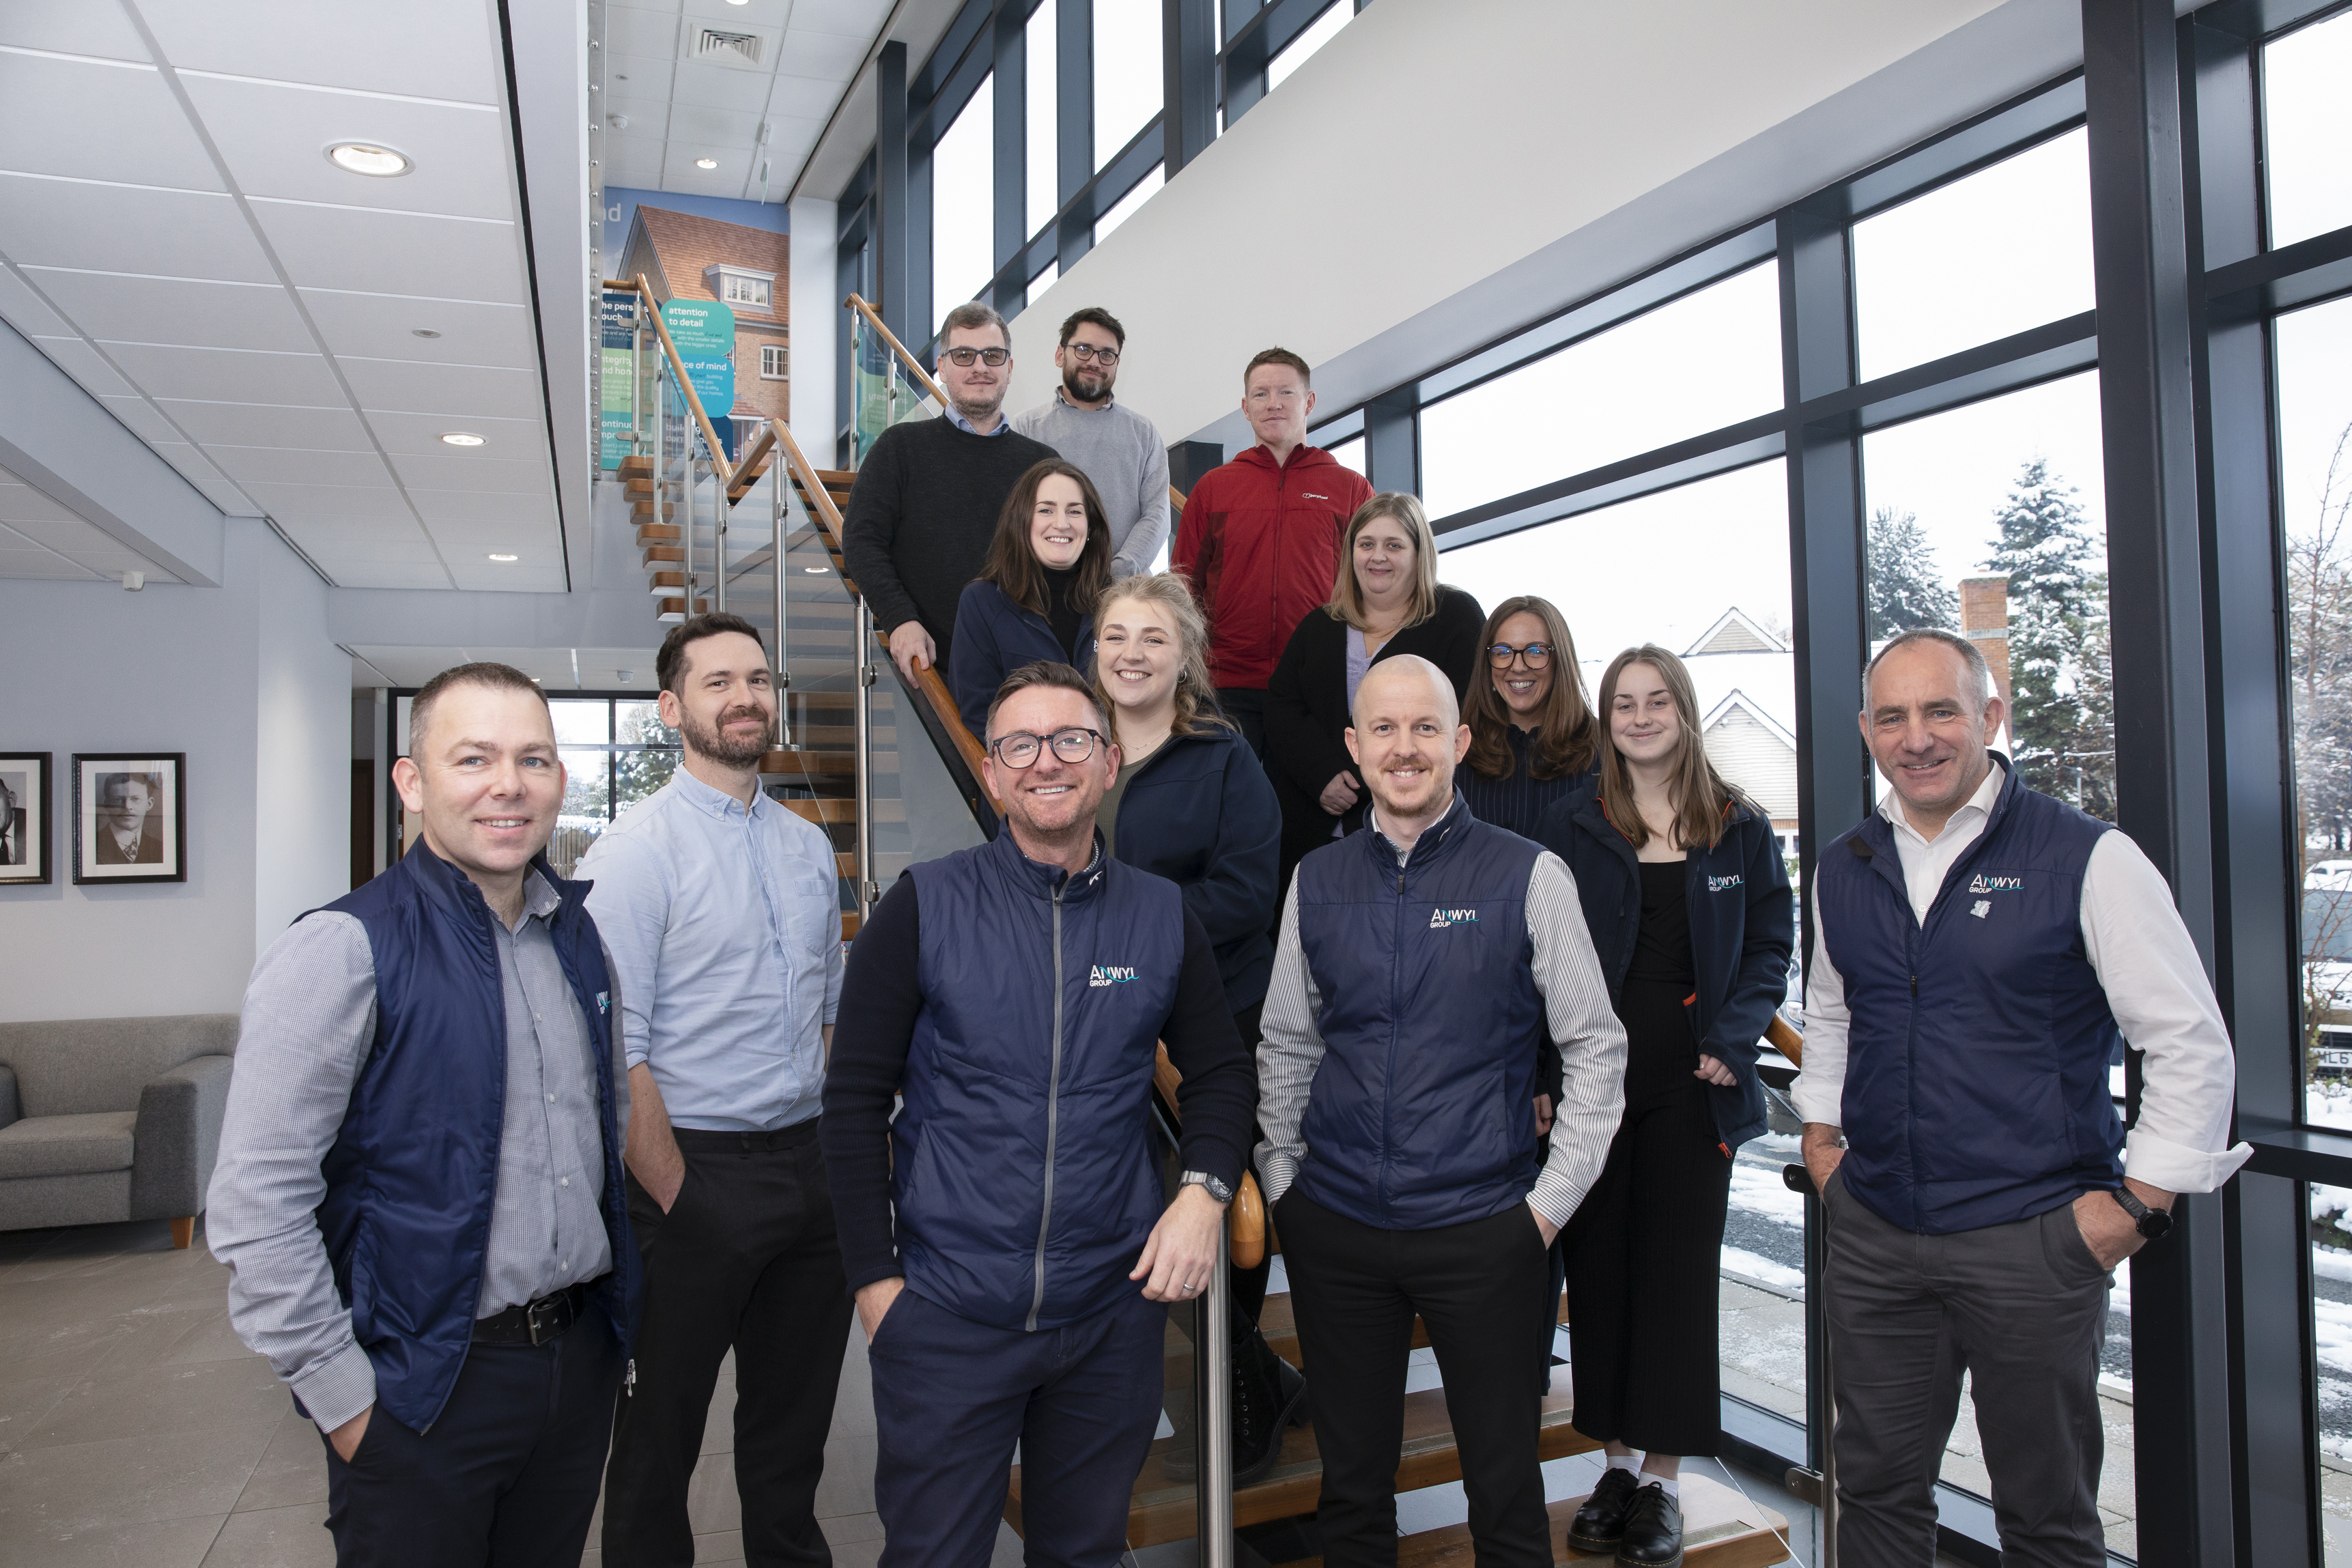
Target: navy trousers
x: 507, y: 1477
x: 952, y: 1397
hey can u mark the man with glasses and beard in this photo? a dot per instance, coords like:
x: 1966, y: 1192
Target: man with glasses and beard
x: 1119, y: 449
x: 722, y: 912
x: 1005, y: 1233
x: 925, y: 507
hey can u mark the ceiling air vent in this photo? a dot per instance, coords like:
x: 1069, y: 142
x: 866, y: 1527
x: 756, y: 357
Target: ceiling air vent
x: 728, y: 49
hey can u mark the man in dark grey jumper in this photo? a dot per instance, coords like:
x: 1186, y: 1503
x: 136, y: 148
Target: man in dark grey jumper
x: 927, y: 495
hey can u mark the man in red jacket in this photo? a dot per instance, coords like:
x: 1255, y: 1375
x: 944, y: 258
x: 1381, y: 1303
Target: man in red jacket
x: 1260, y: 537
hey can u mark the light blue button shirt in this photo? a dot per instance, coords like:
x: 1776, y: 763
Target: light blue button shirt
x: 726, y: 928
x: 956, y: 418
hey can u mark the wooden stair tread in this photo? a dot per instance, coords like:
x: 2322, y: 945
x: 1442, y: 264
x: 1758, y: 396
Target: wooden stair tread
x: 1162, y: 1509
x: 824, y: 810
x: 1720, y: 1530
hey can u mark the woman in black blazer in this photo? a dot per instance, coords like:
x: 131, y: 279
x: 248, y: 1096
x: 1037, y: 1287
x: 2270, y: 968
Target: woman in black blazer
x: 1386, y: 601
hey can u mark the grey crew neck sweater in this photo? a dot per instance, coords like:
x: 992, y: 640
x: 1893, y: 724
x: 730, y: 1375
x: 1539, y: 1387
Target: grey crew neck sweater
x: 921, y: 513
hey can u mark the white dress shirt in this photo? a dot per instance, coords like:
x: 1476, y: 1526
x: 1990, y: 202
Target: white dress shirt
x: 2141, y: 953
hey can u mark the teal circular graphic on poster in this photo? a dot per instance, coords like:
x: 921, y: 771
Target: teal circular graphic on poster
x: 701, y: 328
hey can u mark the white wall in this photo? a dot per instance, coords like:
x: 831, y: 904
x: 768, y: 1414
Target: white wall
x: 1446, y: 170
x: 816, y: 318
x: 243, y: 679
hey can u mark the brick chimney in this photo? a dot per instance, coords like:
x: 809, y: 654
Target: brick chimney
x: 1984, y: 621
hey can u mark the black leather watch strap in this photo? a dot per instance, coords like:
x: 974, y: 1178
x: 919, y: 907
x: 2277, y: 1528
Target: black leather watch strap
x: 2154, y: 1224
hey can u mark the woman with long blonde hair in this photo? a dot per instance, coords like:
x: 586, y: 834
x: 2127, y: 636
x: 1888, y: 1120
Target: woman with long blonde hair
x: 1687, y: 902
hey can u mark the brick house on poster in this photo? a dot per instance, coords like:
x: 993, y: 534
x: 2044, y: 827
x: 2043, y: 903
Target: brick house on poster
x: 684, y: 256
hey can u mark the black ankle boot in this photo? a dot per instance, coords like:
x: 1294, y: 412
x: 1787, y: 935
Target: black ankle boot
x: 1269, y: 1394
x: 1654, y: 1530
x: 1600, y: 1524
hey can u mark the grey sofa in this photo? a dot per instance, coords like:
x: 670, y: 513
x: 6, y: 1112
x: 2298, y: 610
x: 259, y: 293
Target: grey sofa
x: 111, y: 1119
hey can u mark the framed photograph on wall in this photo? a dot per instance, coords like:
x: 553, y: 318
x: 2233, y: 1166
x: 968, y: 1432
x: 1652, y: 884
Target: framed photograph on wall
x: 130, y: 816
x: 27, y: 825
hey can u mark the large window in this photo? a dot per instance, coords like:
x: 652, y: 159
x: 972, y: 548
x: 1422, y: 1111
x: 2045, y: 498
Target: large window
x: 1143, y: 191
x: 2308, y: 104
x: 1321, y: 32
x: 963, y: 204
x: 1705, y: 361
x: 1127, y: 88
x: 2007, y: 248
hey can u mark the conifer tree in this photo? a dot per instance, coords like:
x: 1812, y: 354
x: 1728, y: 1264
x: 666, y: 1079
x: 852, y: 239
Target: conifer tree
x: 2062, y: 713
x: 1906, y: 592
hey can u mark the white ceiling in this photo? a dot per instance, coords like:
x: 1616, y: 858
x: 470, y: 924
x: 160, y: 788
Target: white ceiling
x: 39, y: 538
x: 172, y: 235
x: 557, y: 669
x: 680, y: 106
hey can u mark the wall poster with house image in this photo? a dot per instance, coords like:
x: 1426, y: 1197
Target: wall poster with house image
x: 25, y: 818
x: 130, y: 817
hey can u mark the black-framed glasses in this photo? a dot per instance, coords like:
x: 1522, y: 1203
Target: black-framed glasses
x: 1020, y: 748
x: 1536, y: 654
x: 1104, y: 357
x: 964, y: 357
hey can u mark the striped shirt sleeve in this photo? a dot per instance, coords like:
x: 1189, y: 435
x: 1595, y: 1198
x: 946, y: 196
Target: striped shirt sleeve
x: 1591, y: 1039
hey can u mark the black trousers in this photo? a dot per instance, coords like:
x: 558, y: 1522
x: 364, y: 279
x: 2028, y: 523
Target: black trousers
x: 1644, y: 1256
x: 746, y: 1258
x: 507, y: 1477
x: 1480, y: 1289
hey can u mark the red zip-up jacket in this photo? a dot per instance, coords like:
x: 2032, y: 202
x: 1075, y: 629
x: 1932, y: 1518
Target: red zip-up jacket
x: 1260, y: 545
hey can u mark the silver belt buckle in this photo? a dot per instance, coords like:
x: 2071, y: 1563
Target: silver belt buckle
x: 535, y: 1322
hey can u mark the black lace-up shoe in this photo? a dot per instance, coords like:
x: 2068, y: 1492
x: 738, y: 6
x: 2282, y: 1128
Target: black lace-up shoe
x: 1269, y: 1394
x: 1600, y: 1524
x: 1654, y: 1530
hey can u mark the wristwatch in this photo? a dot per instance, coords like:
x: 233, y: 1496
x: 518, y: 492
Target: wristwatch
x: 1217, y: 1188
x: 2154, y: 1223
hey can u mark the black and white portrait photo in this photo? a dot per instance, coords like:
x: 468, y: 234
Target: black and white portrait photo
x: 24, y: 817
x: 130, y: 817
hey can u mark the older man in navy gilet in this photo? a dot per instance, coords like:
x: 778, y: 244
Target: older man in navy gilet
x: 1981, y: 950
x: 1004, y: 1236
x: 1423, y: 961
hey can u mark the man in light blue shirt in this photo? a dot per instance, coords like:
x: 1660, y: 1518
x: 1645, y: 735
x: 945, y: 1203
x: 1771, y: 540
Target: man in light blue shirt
x: 722, y: 914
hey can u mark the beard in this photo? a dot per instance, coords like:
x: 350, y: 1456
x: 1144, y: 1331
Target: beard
x: 984, y: 407
x: 1084, y: 382
x: 714, y: 742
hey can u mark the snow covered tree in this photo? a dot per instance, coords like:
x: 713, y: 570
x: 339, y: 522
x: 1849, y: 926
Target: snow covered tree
x: 2319, y: 677
x: 1906, y: 593
x: 2061, y: 711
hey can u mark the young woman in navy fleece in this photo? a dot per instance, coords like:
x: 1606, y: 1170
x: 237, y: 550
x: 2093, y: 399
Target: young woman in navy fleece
x: 1034, y: 596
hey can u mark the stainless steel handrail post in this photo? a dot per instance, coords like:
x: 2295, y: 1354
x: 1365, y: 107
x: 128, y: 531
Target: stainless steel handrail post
x: 721, y: 505
x: 660, y: 480
x: 867, y: 891
x: 778, y: 477
x: 1212, y: 1413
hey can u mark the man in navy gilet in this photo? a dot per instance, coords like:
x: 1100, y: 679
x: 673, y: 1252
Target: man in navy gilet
x: 995, y: 1232
x: 419, y: 1194
x: 1423, y: 962
x: 1981, y: 951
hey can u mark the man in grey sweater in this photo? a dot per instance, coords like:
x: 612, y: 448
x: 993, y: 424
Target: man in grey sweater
x: 1119, y: 449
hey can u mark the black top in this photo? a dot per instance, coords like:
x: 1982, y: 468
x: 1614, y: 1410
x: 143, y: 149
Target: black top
x: 1518, y: 800
x: 875, y: 1024
x: 1063, y: 613
x: 1661, y: 1049
x: 1307, y: 710
x: 921, y: 515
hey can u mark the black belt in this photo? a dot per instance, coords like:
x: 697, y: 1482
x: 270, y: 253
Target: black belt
x: 543, y: 1320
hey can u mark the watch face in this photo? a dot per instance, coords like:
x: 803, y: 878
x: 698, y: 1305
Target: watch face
x: 2157, y: 1223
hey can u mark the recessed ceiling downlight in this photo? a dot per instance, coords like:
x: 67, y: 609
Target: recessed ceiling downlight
x: 461, y: 438
x: 496, y: 556
x: 706, y: 162
x: 368, y: 159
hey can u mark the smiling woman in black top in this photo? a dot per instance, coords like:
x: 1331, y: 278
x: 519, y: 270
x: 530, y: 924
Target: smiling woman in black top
x: 1533, y: 739
x: 1033, y: 599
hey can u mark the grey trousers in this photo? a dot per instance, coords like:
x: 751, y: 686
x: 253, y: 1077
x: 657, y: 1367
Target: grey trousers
x: 2019, y: 1307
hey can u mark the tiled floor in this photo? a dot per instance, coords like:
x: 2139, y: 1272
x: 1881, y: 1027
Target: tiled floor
x: 135, y: 1428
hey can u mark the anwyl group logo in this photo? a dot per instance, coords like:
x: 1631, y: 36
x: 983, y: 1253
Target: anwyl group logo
x: 1984, y: 883
x: 1108, y: 975
x: 1725, y: 883
x: 1439, y: 919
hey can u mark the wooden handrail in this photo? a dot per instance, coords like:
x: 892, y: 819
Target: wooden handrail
x: 927, y: 680
x: 1784, y: 1038
x: 1175, y: 496
x: 1246, y: 1217
x: 644, y: 291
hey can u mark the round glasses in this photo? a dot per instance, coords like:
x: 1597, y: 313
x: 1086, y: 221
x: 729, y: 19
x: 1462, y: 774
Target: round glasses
x: 1020, y: 748
x: 1106, y: 357
x: 1536, y: 654
x: 964, y: 357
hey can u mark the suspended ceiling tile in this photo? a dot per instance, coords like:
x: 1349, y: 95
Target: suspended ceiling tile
x: 69, y: 536
x: 440, y: 508
x: 285, y: 465
x: 127, y: 229
x: 274, y: 140
x: 432, y: 48
x: 857, y: 18
x: 632, y: 160
x: 633, y: 30
x: 333, y: 503
x: 20, y: 503
x: 708, y: 85
x: 648, y: 114
x: 23, y: 310
x: 804, y: 97
x: 752, y: 16
x: 112, y: 307
x: 201, y: 471
x: 497, y: 577
x: 719, y: 127
x: 679, y: 174
x: 102, y: 31
x: 92, y: 120
x: 267, y: 424
x: 419, y: 434
x: 163, y: 369
x: 400, y: 387
x: 395, y: 252
x: 829, y: 55
x: 383, y: 327
x: 143, y: 419
x: 496, y: 476
x: 393, y: 576
x: 81, y: 361
x: 42, y: 565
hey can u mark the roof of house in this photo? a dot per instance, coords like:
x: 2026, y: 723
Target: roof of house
x: 688, y: 245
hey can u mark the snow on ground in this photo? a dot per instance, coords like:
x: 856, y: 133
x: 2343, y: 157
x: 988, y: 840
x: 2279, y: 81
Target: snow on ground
x: 1764, y: 1272
x: 1761, y: 1192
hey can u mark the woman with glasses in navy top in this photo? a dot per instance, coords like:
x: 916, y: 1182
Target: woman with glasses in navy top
x: 1533, y: 740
